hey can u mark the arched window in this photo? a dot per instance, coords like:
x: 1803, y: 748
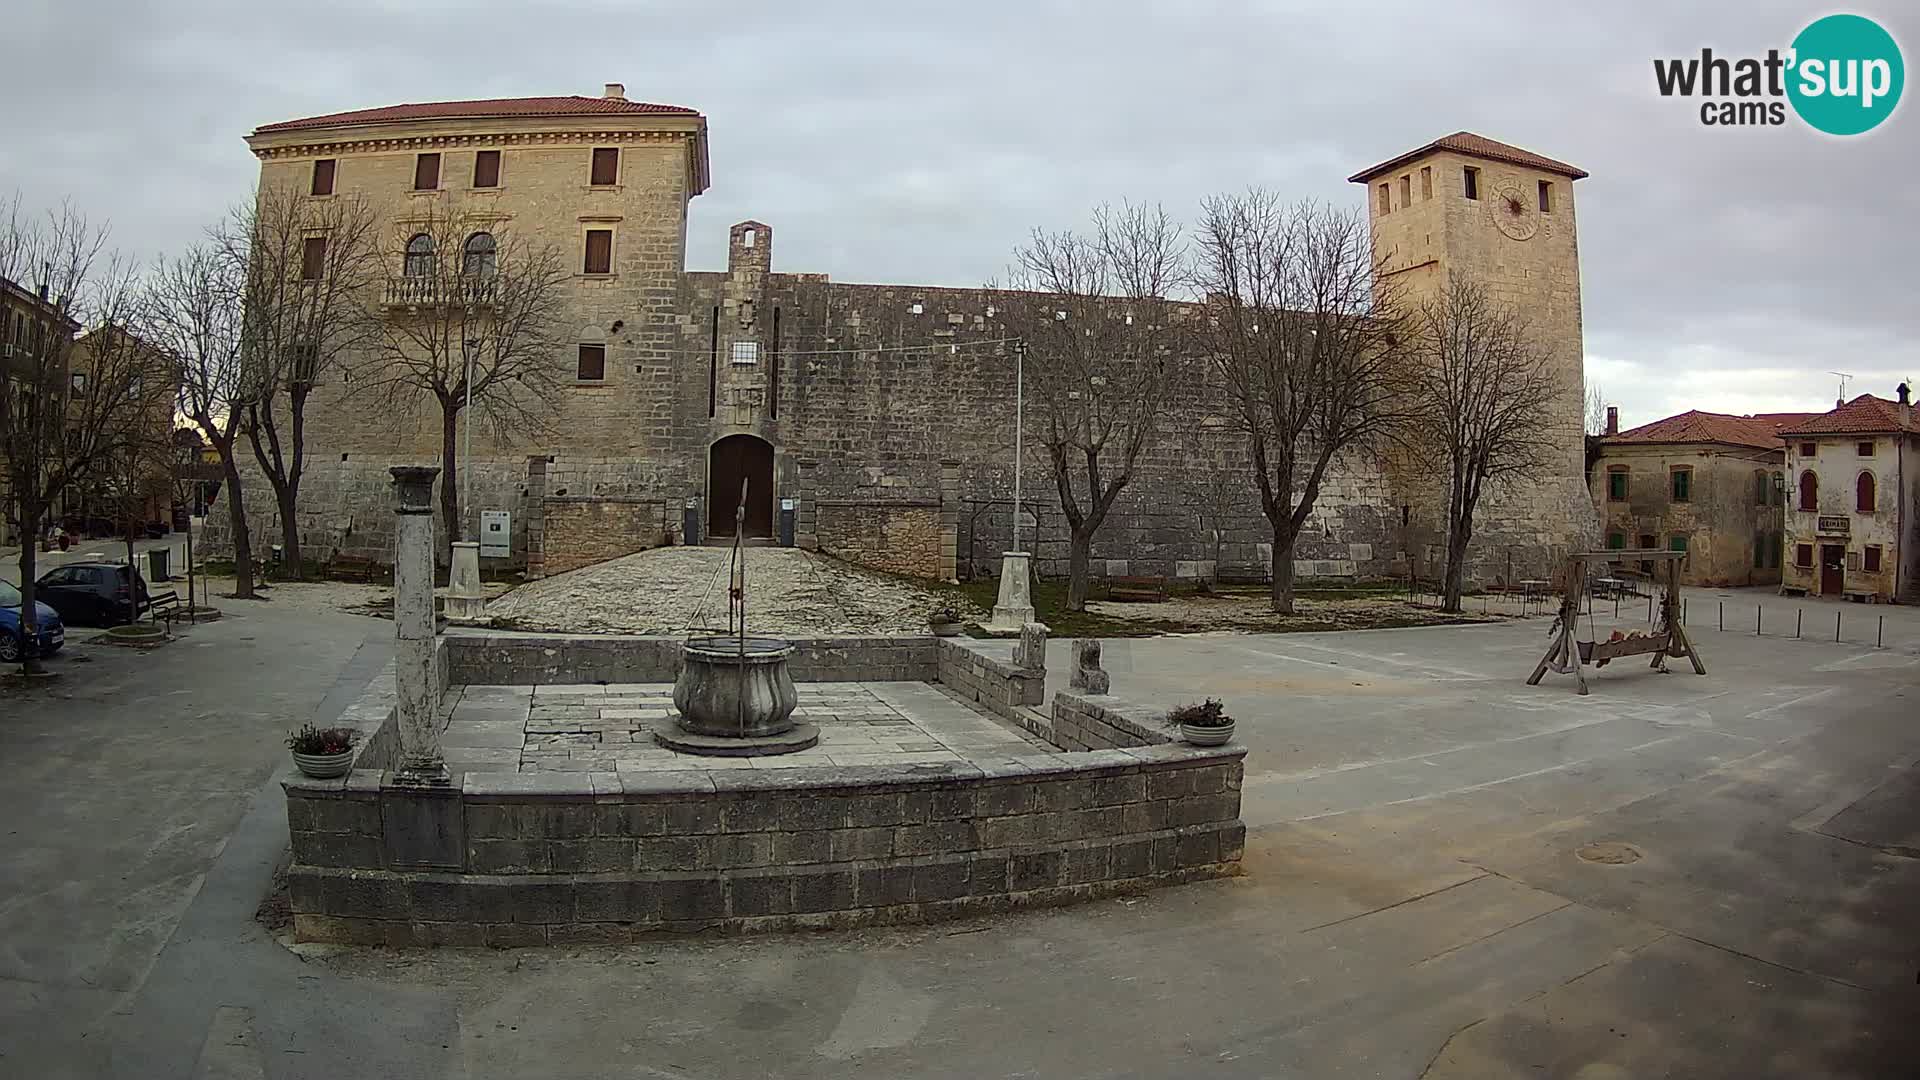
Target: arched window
x: 479, y: 256
x: 1809, y: 491
x: 420, y: 256
x: 1863, y: 493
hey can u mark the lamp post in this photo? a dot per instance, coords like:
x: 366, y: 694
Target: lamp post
x: 1019, y: 424
x: 186, y: 456
x: 1014, y: 609
x: 468, y: 349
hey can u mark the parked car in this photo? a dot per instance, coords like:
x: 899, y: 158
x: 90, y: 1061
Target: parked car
x: 53, y: 632
x: 92, y: 593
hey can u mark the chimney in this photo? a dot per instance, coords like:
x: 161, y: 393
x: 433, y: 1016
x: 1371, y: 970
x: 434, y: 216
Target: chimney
x: 1613, y: 419
x: 1903, y: 395
x: 615, y: 92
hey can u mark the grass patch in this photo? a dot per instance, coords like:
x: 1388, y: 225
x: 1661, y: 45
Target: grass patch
x: 1050, y: 607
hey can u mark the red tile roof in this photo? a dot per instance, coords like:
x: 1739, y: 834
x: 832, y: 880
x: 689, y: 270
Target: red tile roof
x: 488, y: 108
x: 1466, y: 142
x: 1864, y: 415
x: 1693, y: 426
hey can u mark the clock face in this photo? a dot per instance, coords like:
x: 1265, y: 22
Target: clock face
x: 1512, y: 211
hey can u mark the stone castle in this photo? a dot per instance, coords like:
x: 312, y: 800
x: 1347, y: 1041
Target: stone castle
x: 873, y: 422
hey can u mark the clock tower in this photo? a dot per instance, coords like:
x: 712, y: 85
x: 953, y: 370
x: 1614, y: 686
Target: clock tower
x: 1503, y: 217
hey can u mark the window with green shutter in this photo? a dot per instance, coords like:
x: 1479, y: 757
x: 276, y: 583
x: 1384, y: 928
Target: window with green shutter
x: 1683, y: 484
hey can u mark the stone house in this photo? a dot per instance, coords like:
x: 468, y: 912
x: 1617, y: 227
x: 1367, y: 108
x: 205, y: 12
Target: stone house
x: 1709, y: 484
x: 32, y: 326
x: 869, y: 421
x: 1853, y: 511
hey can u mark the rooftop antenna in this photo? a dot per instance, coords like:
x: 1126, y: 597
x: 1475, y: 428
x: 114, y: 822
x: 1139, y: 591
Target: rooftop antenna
x: 1844, y: 376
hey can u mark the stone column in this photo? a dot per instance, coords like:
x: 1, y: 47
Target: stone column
x: 466, y: 600
x: 806, y: 511
x: 536, y: 517
x: 421, y: 764
x: 949, y: 521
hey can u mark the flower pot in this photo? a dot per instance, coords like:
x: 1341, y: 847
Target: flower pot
x: 324, y: 766
x: 945, y: 629
x: 1206, y: 736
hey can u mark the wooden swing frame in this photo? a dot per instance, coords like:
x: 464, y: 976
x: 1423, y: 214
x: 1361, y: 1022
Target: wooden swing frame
x: 1568, y: 655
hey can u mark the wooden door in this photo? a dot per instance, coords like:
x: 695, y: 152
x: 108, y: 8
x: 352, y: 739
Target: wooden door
x: 1833, y: 559
x: 736, y: 458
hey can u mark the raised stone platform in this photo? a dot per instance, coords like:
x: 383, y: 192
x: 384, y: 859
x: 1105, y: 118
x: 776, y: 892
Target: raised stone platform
x: 915, y: 806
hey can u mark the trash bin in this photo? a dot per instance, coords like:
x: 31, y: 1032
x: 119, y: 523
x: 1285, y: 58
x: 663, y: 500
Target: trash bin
x: 157, y: 565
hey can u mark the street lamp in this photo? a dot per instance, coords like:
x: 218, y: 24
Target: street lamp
x: 186, y: 458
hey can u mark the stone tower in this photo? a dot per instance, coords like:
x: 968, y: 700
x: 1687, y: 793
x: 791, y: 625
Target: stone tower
x: 1504, y: 217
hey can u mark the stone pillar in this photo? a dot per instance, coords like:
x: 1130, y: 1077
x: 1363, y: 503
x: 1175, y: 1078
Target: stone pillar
x: 421, y: 764
x: 1031, y: 653
x: 466, y: 600
x: 806, y: 514
x: 1015, y: 607
x: 1087, y: 674
x: 949, y: 521
x: 536, y: 517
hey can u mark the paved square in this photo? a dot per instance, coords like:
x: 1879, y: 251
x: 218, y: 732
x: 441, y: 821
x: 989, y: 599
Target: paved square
x: 591, y: 727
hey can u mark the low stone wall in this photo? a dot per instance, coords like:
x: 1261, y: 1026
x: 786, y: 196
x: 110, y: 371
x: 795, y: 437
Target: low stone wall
x: 1101, y: 721
x: 982, y: 672
x: 897, y: 537
x: 582, y: 530
x: 503, y: 659
x: 604, y: 858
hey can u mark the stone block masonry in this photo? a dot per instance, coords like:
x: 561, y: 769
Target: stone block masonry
x: 604, y: 858
x: 905, y: 538
x: 581, y: 531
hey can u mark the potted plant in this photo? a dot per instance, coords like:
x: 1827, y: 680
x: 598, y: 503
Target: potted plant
x: 1205, y: 724
x: 944, y: 620
x: 323, y: 753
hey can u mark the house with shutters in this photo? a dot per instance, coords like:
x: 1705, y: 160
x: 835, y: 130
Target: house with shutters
x: 1710, y: 484
x: 1853, y: 501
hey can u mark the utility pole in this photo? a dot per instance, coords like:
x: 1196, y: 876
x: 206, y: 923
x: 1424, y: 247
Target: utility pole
x: 1019, y: 423
x: 469, y: 347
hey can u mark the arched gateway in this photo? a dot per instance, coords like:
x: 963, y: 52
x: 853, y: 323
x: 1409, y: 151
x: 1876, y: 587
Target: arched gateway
x: 730, y: 460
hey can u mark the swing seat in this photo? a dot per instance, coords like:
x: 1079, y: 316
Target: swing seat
x: 1610, y: 650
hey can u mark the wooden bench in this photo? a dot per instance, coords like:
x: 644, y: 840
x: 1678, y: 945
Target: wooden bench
x: 165, y: 606
x: 351, y: 568
x: 1137, y: 588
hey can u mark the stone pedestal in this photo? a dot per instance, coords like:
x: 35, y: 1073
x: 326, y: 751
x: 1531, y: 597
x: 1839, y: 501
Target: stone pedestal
x: 1015, y: 607
x: 1031, y: 653
x: 421, y: 763
x: 466, y: 600
x: 1088, y: 676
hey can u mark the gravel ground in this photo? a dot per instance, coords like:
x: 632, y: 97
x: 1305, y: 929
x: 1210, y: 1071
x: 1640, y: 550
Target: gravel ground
x: 676, y: 589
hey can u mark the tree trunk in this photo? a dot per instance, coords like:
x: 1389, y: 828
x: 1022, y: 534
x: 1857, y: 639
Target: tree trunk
x: 237, y: 521
x: 29, y: 617
x: 449, y: 487
x: 1079, y: 552
x: 286, y: 497
x: 1283, y: 570
x: 1459, y: 533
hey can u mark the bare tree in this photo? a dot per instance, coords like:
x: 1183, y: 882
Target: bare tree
x: 59, y: 435
x: 309, y: 269
x: 1596, y: 409
x: 1486, y: 396
x: 193, y: 315
x: 474, y: 317
x: 1094, y: 312
x: 1305, y: 332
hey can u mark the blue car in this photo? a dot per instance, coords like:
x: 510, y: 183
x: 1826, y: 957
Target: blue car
x: 53, y: 633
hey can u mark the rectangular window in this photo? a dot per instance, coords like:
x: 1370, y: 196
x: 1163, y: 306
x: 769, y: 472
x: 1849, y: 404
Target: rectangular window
x: 1806, y: 449
x: 1683, y: 485
x: 599, y: 251
x: 1870, y: 559
x: 1865, y: 449
x: 313, y: 258
x: 1760, y: 487
x: 1386, y: 198
x: 1777, y: 541
x: 486, y: 168
x: 1803, y: 556
x: 746, y: 352
x: 426, y: 172
x: 1759, y: 551
x: 1617, y: 541
x: 323, y: 177
x: 606, y: 166
x: 1472, y: 181
x: 1677, y: 543
x: 1546, y: 197
x: 593, y: 363
x: 1616, y: 485
x: 1406, y: 191
x: 1426, y: 183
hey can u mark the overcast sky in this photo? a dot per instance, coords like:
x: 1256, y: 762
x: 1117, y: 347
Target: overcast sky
x: 1723, y: 269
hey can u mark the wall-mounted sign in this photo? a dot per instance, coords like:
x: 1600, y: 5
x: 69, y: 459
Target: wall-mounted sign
x: 1832, y: 523
x: 496, y: 534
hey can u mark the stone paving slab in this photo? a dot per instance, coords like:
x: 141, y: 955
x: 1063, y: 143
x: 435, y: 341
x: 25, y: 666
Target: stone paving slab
x: 609, y: 728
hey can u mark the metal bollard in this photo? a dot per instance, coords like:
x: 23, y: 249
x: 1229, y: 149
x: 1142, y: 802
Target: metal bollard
x: 1756, y: 620
x: 1880, y: 634
x: 1797, y: 613
x: 1723, y: 616
x: 1836, y: 626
